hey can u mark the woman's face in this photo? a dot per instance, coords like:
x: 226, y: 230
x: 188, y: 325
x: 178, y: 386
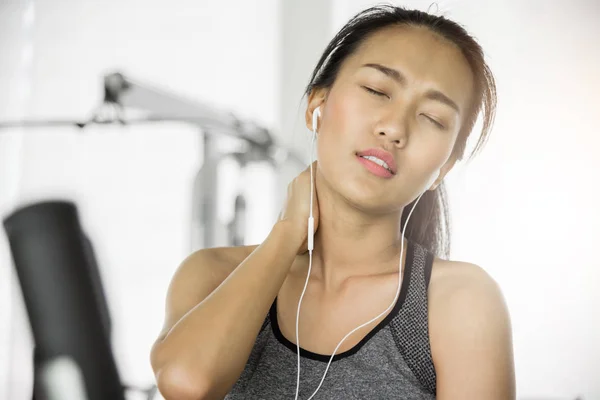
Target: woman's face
x: 405, y: 91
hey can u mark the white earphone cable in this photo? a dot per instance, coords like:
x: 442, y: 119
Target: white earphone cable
x: 310, y: 251
x: 386, y: 310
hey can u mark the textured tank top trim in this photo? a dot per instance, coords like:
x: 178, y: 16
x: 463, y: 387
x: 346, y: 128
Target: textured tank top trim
x: 410, y: 329
x: 406, y: 279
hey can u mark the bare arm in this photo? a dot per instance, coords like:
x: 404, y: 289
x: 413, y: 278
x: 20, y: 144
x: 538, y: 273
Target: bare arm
x: 471, y: 337
x: 214, y: 315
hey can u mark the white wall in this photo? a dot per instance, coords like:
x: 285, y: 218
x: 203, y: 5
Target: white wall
x: 522, y: 210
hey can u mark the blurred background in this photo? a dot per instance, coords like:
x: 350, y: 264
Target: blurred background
x: 213, y: 84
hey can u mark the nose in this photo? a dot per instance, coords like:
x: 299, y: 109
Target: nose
x: 393, y: 128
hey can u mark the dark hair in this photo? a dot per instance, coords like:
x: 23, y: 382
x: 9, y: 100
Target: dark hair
x: 430, y: 223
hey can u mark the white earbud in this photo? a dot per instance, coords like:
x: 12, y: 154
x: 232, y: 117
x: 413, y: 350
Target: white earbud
x: 315, y: 119
x: 315, y: 122
x: 311, y: 221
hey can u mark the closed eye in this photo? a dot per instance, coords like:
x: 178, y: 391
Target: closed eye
x: 375, y: 92
x: 434, y: 122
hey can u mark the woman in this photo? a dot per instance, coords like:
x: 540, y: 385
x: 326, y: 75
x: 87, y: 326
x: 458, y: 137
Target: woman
x: 398, y: 93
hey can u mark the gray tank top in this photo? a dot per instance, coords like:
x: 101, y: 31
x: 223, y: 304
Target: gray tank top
x: 392, y: 362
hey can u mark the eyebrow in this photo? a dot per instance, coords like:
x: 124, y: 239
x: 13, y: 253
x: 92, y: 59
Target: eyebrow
x: 431, y: 94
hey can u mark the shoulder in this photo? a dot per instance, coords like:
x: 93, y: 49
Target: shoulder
x: 470, y: 330
x: 221, y: 261
x: 462, y: 294
x: 197, y: 276
x: 231, y: 257
x: 451, y: 278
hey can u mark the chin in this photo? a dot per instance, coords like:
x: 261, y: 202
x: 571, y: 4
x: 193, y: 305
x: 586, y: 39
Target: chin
x: 363, y: 196
x: 357, y: 188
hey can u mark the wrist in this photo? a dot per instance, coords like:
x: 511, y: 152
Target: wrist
x: 288, y: 233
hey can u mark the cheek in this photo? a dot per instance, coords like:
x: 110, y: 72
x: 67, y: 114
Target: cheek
x: 328, y: 152
x: 433, y: 156
x: 342, y: 128
x: 345, y: 113
x: 335, y: 156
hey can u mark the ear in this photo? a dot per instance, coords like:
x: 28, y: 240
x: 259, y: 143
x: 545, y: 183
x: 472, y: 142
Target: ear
x: 447, y: 167
x: 316, y: 98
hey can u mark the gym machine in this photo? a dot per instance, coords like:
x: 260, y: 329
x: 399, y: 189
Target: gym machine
x: 65, y: 302
x: 223, y: 136
x: 54, y: 258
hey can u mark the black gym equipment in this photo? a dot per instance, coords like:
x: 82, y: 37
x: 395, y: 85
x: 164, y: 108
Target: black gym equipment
x: 65, y: 302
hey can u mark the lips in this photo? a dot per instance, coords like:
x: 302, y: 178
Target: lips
x: 383, y: 155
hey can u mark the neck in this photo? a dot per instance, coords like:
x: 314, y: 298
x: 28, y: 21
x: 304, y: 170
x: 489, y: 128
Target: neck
x: 351, y: 243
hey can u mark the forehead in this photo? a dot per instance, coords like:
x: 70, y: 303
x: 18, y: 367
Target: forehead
x: 423, y: 56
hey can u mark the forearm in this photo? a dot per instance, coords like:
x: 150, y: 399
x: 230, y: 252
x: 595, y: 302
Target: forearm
x: 214, y: 340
